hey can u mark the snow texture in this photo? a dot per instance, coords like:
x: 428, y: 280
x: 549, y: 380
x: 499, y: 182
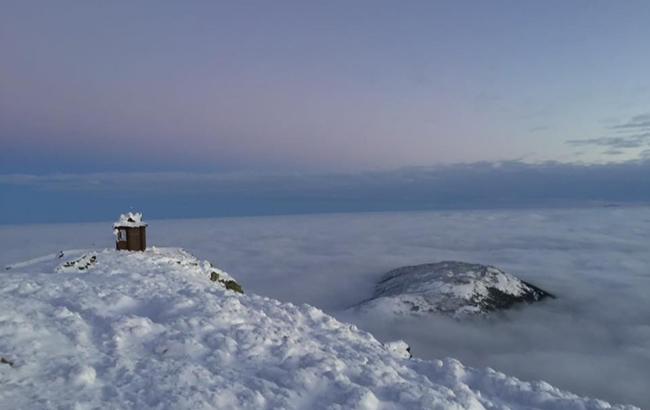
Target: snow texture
x: 399, y: 348
x: 135, y: 330
x: 456, y: 288
x: 130, y: 219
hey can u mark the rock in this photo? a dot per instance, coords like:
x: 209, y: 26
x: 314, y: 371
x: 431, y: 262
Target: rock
x: 234, y: 286
x: 228, y: 284
x: 454, y: 288
x: 85, y: 262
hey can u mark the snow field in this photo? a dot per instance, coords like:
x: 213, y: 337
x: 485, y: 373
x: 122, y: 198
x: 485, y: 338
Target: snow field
x: 150, y: 330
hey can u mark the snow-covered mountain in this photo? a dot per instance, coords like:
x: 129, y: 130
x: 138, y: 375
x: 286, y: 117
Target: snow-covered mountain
x: 134, y: 330
x: 455, y: 288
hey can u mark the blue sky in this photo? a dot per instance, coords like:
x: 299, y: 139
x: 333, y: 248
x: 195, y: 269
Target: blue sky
x: 321, y: 88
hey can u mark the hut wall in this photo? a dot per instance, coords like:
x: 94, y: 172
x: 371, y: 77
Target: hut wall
x: 143, y: 238
x: 133, y: 238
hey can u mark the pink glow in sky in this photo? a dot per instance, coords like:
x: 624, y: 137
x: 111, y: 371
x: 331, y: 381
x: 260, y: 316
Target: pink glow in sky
x: 88, y: 86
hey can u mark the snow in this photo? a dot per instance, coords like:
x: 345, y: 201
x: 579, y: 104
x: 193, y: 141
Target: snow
x: 149, y: 329
x: 458, y: 289
x: 399, y: 348
x: 130, y: 219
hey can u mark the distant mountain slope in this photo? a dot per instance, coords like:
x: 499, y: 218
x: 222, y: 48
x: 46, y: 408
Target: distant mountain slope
x: 145, y: 330
x: 454, y: 288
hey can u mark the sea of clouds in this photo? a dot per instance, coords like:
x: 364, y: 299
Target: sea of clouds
x: 594, y: 339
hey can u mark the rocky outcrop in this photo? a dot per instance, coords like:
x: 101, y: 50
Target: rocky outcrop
x: 454, y: 288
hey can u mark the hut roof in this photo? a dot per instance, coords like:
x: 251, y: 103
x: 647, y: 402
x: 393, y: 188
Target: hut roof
x: 130, y: 220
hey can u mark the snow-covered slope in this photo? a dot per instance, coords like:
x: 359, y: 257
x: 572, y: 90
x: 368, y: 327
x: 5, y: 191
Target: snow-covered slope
x: 455, y: 288
x: 151, y: 330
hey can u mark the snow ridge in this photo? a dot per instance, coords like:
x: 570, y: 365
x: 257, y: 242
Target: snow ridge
x: 151, y: 330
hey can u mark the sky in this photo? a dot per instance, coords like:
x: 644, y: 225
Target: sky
x: 322, y: 88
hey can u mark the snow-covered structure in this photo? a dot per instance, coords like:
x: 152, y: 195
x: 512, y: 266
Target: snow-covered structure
x: 130, y: 232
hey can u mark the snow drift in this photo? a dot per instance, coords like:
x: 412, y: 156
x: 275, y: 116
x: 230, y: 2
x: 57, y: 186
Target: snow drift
x: 454, y: 288
x: 151, y: 330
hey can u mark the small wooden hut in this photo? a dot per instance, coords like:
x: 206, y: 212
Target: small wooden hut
x: 130, y: 232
